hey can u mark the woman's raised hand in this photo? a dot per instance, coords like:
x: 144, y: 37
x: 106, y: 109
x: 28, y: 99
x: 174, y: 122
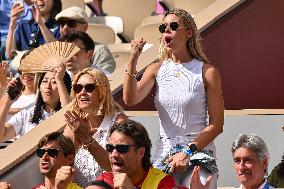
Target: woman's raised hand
x: 137, y: 47
x: 80, y: 126
x: 15, y: 13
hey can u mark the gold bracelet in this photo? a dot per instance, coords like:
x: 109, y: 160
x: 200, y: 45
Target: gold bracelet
x: 87, y: 146
x: 131, y: 75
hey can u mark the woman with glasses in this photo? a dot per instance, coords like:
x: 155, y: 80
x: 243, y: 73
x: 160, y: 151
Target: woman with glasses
x: 53, y: 88
x: 187, y: 87
x: 89, y: 119
x: 41, y: 29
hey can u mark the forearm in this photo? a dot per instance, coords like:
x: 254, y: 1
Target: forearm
x: 63, y: 94
x: 100, y: 155
x: 11, y: 41
x: 46, y: 33
x: 207, y: 135
x: 130, y: 83
x: 6, y: 104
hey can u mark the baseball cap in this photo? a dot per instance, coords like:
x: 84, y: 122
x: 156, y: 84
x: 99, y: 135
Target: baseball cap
x: 19, y: 55
x: 74, y: 13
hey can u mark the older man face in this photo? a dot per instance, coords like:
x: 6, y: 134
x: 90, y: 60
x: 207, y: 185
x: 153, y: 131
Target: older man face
x: 249, y: 168
x: 68, y: 25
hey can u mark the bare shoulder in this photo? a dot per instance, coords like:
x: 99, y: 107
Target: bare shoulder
x: 120, y: 118
x: 210, y: 72
x: 154, y: 68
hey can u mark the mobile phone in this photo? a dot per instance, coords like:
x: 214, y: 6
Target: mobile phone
x: 21, y: 2
x: 14, y: 91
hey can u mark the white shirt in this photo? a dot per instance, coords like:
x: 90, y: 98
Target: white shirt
x: 21, y: 121
x: 265, y: 185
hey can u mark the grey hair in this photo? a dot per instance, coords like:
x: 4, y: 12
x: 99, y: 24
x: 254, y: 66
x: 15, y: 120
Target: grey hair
x: 252, y: 142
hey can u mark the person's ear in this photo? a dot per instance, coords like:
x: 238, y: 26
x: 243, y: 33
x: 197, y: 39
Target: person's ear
x: 85, y: 27
x: 141, y: 152
x: 265, y: 162
x: 70, y: 159
x: 90, y: 54
x: 189, y: 33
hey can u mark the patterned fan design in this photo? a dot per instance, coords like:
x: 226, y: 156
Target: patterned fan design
x: 46, y: 57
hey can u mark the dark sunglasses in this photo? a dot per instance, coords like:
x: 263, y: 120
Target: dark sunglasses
x: 89, y: 87
x: 120, y: 148
x: 173, y: 25
x: 52, y: 152
x: 69, y: 23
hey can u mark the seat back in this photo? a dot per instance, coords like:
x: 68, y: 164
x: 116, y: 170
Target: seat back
x: 152, y: 19
x: 114, y: 22
x: 101, y: 33
x: 192, y: 6
x: 71, y: 3
x: 149, y: 32
x: 132, y: 12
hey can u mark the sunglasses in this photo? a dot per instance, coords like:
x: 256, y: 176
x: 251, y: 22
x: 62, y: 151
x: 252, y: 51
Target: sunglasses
x: 173, y: 25
x: 89, y: 87
x: 69, y: 23
x: 52, y: 152
x: 120, y: 148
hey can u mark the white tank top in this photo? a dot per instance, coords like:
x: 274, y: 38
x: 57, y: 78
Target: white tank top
x: 181, y: 98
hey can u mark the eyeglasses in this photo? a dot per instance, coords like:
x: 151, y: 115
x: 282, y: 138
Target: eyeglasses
x: 52, y: 152
x: 89, y: 87
x: 120, y: 148
x: 173, y: 25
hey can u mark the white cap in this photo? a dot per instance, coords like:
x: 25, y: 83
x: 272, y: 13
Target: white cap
x: 16, y: 62
x: 74, y: 13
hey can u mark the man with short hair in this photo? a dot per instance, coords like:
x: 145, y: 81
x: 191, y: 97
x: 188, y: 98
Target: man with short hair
x: 75, y: 19
x: 56, y: 156
x: 129, y: 148
x: 251, y: 156
x: 83, y: 59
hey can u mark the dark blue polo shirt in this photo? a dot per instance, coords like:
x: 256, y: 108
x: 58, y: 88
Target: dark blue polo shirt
x: 27, y: 31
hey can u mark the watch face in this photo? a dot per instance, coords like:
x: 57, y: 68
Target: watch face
x: 193, y: 147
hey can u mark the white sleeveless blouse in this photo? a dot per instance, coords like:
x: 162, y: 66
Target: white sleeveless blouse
x: 181, y: 98
x: 87, y: 167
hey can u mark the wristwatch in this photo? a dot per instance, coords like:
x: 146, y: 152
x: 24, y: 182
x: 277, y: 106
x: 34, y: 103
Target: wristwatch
x: 192, y: 147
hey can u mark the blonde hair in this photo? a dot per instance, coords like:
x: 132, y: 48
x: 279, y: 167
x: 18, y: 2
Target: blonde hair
x: 107, y: 105
x: 193, y: 43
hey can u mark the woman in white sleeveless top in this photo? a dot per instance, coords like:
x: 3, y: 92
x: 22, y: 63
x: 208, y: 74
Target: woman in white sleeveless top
x: 187, y: 87
x: 89, y: 119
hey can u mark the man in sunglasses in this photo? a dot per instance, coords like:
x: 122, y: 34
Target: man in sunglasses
x: 129, y: 148
x: 56, y: 156
x: 75, y: 19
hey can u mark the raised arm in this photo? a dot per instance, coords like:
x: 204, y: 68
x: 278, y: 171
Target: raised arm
x: 133, y: 91
x: 46, y: 33
x: 62, y: 90
x: 79, y: 131
x: 215, y: 104
x: 7, y: 131
x: 16, y: 10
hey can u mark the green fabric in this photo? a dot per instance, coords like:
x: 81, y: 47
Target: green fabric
x: 276, y: 179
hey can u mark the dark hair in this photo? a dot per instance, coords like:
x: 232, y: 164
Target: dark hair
x: 57, y: 7
x: 64, y: 142
x: 39, y: 105
x: 84, y: 37
x: 139, y: 134
x: 100, y: 183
